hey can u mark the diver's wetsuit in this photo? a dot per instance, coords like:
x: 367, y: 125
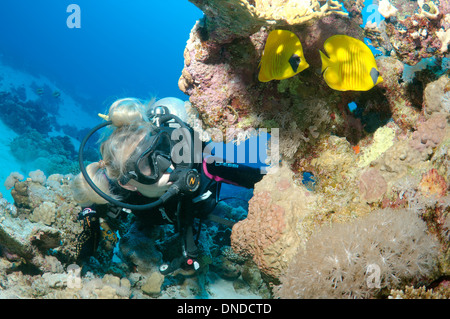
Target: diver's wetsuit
x: 179, y: 211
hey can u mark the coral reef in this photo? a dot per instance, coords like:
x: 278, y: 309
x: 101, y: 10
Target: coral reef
x: 437, y: 97
x: 21, y: 115
x: 429, y: 133
x: 220, y: 76
x: 433, y: 184
x: 12, y: 179
x: 388, y: 151
x: 226, y: 20
x: 40, y: 252
x: 373, y: 222
x: 343, y: 260
x: 412, y: 31
x: 420, y: 293
x: 54, y: 155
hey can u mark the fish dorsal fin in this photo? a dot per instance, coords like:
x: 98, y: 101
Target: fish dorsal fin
x: 294, y: 61
x: 374, y: 75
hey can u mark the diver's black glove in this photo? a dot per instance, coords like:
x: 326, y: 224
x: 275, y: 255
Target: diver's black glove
x: 185, y: 181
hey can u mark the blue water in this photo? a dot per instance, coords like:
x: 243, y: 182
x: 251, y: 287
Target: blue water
x: 123, y: 48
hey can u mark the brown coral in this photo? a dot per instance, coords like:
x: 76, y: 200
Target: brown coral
x: 277, y: 222
x: 264, y: 225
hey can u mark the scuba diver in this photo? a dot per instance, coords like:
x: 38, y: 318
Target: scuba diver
x: 152, y: 168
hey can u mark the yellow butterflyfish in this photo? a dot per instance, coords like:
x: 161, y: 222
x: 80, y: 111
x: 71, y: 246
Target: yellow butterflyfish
x: 282, y: 57
x: 350, y: 65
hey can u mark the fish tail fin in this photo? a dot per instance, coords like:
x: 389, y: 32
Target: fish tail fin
x: 380, y: 79
x: 325, y: 61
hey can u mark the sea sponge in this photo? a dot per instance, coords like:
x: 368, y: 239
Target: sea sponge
x: 12, y: 179
x: 384, y: 249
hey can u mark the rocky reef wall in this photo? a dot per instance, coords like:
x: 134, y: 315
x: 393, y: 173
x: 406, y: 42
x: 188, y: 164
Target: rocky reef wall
x: 387, y: 157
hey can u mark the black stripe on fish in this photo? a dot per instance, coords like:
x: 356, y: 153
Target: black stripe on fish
x: 374, y: 75
x: 294, y: 61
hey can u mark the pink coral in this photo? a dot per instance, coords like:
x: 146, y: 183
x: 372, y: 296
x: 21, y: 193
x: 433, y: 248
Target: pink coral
x: 372, y: 185
x: 262, y: 227
x: 429, y: 133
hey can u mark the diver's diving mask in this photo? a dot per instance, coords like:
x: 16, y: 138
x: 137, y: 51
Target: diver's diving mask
x: 151, y: 161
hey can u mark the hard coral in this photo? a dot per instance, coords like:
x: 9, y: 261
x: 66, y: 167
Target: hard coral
x: 429, y: 133
x: 269, y: 234
x: 226, y: 19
